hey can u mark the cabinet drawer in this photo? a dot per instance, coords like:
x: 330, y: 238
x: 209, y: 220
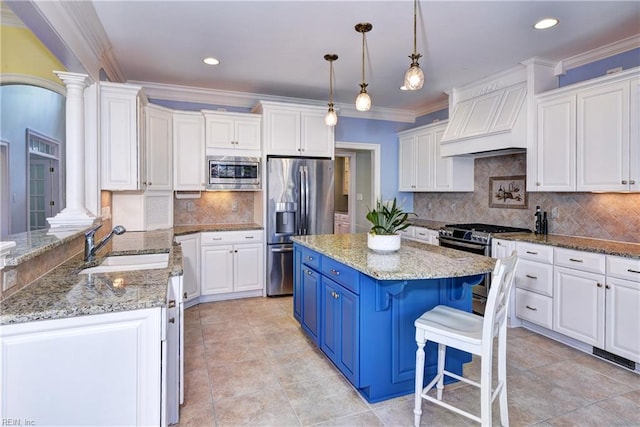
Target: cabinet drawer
x: 623, y: 268
x: 424, y: 234
x: 346, y: 276
x: 534, y: 308
x: 580, y: 260
x: 531, y: 251
x: 310, y: 258
x: 407, y: 232
x: 535, y: 276
x: 224, y: 237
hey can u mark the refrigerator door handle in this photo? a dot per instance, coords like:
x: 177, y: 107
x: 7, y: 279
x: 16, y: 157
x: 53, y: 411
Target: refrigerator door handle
x: 301, y: 201
x: 279, y: 251
x: 304, y: 196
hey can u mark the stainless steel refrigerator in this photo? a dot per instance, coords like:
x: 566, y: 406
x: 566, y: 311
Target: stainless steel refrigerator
x: 299, y: 201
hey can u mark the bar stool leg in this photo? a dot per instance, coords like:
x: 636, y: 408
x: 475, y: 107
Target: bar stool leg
x: 442, y: 351
x: 502, y: 376
x: 417, y: 410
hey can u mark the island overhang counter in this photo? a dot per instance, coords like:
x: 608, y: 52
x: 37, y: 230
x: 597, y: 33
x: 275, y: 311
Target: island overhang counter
x: 359, y: 306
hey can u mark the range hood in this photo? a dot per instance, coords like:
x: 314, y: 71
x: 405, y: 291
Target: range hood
x: 492, y: 123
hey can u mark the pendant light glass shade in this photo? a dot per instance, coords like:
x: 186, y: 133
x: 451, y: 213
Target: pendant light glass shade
x: 363, y: 100
x: 414, y: 77
x: 331, y: 118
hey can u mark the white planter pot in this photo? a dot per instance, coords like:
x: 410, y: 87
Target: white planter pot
x: 383, y: 243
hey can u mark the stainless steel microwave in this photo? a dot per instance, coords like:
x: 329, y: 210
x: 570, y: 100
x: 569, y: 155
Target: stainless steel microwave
x: 233, y: 173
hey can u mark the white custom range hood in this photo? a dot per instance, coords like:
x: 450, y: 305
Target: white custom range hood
x: 491, y: 122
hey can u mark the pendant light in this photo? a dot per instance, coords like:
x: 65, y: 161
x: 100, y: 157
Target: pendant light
x: 331, y: 118
x: 414, y: 77
x: 363, y: 100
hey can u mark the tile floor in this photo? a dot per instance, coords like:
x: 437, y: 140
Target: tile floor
x: 247, y: 363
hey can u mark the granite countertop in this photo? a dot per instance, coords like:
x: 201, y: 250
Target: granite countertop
x: 414, y: 260
x: 607, y: 247
x: 65, y: 293
x: 180, y: 230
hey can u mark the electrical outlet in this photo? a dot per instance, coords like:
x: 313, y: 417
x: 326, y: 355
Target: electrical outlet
x: 555, y: 212
x: 190, y: 207
x: 234, y: 206
x: 359, y: 196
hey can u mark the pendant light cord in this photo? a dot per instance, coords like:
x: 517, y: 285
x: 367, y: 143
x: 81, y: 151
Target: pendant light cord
x: 363, y: 57
x: 415, y: 25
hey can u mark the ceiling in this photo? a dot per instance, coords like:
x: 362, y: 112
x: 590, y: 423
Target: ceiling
x: 277, y: 47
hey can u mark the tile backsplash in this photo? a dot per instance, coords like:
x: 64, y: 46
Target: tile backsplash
x: 611, y: 216
x: 215, y: 207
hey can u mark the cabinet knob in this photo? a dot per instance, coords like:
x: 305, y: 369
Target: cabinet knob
x: 632, y: 182
x: 309, y: 272
x: 309, y: 258
x: 172, y: 320
x: 630, y: 270
x: 149, y: 183
x: 531, y: 308
x: 531, y: 277
x: 172, y: 303
x: 538, y: 184
x: 532, y: 253
x: 624, y: 181
x: 607, y: 286
x: 184, y: 295
x: 335, y: 272
x: 599, y: 285
x: 575, y: 260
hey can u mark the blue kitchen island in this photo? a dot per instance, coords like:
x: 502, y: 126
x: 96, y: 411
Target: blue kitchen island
x: 359, y: 306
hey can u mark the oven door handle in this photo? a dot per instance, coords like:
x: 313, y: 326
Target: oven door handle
x: 462, y: 244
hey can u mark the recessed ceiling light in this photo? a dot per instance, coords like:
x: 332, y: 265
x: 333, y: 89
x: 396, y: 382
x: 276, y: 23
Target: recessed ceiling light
x: 545, y: 23
x: 211, y: 61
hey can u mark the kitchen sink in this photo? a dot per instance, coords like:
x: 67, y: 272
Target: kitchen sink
x: 129, y: 263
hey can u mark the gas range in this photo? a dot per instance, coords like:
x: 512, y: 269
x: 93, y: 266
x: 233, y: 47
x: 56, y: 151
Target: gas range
x: 476, y: 232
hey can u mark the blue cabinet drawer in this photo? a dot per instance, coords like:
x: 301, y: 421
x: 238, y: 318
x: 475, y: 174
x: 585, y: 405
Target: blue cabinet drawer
x: 310, y: 258
x: 346, y: 276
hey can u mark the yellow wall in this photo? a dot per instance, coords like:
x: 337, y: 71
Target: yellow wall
x: 22, y: 53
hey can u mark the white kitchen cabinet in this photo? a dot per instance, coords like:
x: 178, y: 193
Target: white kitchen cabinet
x: 230, y: 266
x: 296, y: 130
x: 622, y: 307
x: 173, y: 363
x: 232, y: 134
x: 102, y: 369
x: 422, y: 168
x: 578, y: 295
x: 189, y: 153
x: 122, y: 137
x: 603, y: 138
x: 587, y: 137
x: 426, y: 235
x: 555, y: 148
x: 534, y: 284
x: 159, y: 147
x: 190, y: 244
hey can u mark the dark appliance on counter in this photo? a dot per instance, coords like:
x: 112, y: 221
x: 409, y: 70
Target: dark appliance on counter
x: 475, y: 238
x: 299, y: 201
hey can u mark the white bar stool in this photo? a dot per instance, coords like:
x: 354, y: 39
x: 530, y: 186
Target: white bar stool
x: 450, y: 327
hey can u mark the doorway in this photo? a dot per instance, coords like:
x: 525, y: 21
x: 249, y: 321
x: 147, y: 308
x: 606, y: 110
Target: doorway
x: 5, y: 212
x: 43, y: 179
x: 363, y: 181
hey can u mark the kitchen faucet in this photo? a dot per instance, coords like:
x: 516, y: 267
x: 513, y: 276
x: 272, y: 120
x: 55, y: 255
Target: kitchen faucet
x: 90, y: 248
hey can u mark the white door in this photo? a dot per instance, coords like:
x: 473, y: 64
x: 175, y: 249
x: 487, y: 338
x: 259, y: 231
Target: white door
x: 603, y: 138
x: 44, y: 190
x: 556, y: 145
x: 159, y: 148
x: 217, y: 269
x: 4, y: 190
x: 623, y: 318
x: 578, y: 305
x: 248, y: 267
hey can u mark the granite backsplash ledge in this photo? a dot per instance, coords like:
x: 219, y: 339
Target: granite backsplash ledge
x: 610, y: 216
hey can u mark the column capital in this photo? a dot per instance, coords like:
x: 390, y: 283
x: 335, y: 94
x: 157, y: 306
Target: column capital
x: 72, y: 78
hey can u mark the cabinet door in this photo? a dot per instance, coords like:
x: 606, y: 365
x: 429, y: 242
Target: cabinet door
x: 217, y: 269
x: 603, y: 138
x: 330, y: 339
x: 297, y: 283
x: 423, y: 161
x: 76, y: 371
x: 317, y: 137
x: 119, y: 138
x: 406, y: 159
x: 247, y: 135
x: 311, y: 303
x: 188, y: 142
x: 623, y: 318
x: 634, y: 136
x: 247, y: 267
x: 443, y: 176
x: 220, y: 132
x: 159, y: 148
x: 190, y: 265
x: 556, y: 145
x: 578, y: 305
x: 282, y: 132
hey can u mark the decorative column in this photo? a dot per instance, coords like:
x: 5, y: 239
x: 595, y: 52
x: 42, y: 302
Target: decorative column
x: 74, y: 214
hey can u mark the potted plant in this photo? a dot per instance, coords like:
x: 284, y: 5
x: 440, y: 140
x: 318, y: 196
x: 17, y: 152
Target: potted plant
x: 387, y: 219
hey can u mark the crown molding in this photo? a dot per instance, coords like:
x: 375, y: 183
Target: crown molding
x: 249, y: 100
x: 597, y: 54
